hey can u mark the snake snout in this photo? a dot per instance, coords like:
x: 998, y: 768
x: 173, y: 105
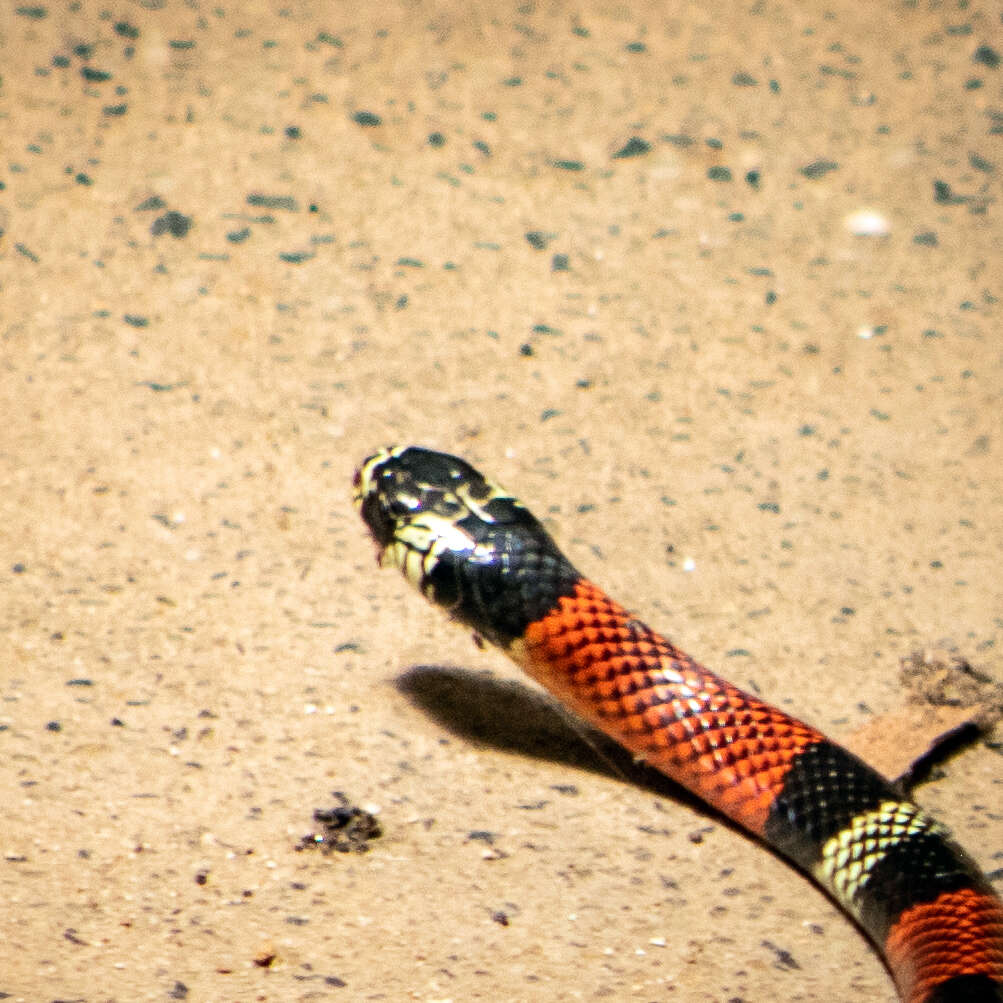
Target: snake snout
x: 382, y: 526
x: 370, y: 500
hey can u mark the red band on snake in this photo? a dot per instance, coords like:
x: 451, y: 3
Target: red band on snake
x: 475, y: 550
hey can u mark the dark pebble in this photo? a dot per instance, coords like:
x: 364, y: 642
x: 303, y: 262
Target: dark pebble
x: 987, y: 56
x: 634, y: 147
x: 174, y: 223
x: 944, y: 195
x: 818, y: 168
x: 273, y: 202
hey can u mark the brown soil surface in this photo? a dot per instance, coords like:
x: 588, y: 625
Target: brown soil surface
x: 608, y: 253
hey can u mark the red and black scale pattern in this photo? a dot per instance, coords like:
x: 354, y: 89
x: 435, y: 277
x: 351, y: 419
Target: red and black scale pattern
x: 918, y: 895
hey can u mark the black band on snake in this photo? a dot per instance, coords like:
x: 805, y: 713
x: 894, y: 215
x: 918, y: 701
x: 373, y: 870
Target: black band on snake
x: 475, y: 550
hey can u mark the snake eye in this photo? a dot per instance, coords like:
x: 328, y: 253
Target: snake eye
x: 400, y: 506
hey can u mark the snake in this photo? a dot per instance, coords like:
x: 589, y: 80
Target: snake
x: 475, y: 550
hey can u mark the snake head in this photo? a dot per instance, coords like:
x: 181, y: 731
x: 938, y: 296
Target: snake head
x: 465, y: 543
x: 421, y: 506
x: 399, y: 486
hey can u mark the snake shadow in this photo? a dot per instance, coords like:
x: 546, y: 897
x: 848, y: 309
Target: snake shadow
x: 505, y: 714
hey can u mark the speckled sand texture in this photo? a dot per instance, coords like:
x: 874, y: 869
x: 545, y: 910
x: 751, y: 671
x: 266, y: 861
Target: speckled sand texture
x: 715, y: 287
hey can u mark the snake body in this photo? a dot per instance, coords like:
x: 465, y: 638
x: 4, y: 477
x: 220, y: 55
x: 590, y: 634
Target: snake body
x: 475, y: 550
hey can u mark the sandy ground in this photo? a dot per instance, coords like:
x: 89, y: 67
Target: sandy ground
x: 606, y: 252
